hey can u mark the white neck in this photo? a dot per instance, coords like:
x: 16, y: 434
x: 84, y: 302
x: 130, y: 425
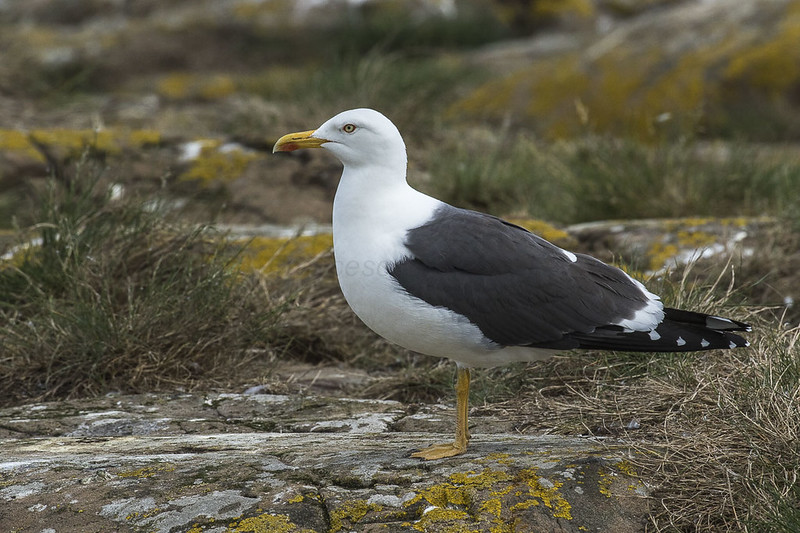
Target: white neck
x: 373, y: 208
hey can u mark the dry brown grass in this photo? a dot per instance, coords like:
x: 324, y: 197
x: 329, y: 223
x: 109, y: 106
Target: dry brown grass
x: 727, y: 453
x: 713, y: 434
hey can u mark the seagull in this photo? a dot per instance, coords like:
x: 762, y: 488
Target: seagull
x: 455, y: 283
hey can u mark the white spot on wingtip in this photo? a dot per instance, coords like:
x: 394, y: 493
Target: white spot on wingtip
x: 704, y: 343
x: 654, y: 336
x: 572, y: 257
x: 732, y: 345
x: 680, y: 341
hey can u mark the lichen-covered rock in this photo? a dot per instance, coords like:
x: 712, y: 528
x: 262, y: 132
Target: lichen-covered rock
x: 260, y: 462
x: 623, y: 79
x: 656, y: 246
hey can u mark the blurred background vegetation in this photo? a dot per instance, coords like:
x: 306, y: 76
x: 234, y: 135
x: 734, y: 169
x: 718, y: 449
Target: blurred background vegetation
x: 135, y: 169
x: 649, y: 108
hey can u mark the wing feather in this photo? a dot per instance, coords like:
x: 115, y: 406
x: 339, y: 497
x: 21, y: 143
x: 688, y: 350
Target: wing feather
x: 518, y: 288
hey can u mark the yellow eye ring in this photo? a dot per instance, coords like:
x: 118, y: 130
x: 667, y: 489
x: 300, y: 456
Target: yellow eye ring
x: 349, y: 128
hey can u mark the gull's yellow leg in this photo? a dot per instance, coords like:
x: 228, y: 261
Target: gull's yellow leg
x: 459, y: 446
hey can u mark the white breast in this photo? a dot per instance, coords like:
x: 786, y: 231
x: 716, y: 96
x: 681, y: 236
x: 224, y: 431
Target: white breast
x: 368, y: 238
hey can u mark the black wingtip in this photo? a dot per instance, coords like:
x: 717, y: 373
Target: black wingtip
x: 680, y: 331
x: 719, y: 323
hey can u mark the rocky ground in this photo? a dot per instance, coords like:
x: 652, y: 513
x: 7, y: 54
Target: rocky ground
x: 265, y: 462
x: 305, y: 460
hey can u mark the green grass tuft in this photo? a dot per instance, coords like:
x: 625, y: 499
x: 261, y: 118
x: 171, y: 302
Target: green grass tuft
x: 113, y: 298
x: 601, y: 178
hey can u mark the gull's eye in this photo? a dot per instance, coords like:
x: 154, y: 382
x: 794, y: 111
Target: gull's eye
x: 349, y: 128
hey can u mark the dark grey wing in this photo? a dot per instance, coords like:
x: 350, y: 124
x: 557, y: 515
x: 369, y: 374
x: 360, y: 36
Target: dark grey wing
x: 518, y: 288
x: 521, y: 290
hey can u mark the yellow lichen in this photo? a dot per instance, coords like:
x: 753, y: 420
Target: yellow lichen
x: 442, y: 495
x: 174, y: 86
x: 773, y: 65
x: 695, y: 239
x: 352, y: 512
x: 659, y: 254
x: 214, y: 165
x: 545, y: 230
x: 502, y: 458
x: 633, y: 90
x: 432, y: 521
x: 19, y: 142
x: 492, y: 506
x: 140, y: 516
x: 217, y: 87
x: 483, y: 480
x: 139, y: 138
x: 266, y: 523
x: 271, y: 254
x: 626, y: 468
x: 502, y: 492
x: 549, y: 8
x: 72, y: 142
x: 457, y: 493
x: 453, y: 499
x: 75, y: 141
x: 550, y: 496
x: 182, y: 86
x: 605, y: 482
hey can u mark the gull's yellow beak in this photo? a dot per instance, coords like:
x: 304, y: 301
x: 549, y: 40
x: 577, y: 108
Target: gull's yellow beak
x: 294, y: 141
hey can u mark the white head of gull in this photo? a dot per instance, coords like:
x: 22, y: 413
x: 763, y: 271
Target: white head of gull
x: 455, y: 283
